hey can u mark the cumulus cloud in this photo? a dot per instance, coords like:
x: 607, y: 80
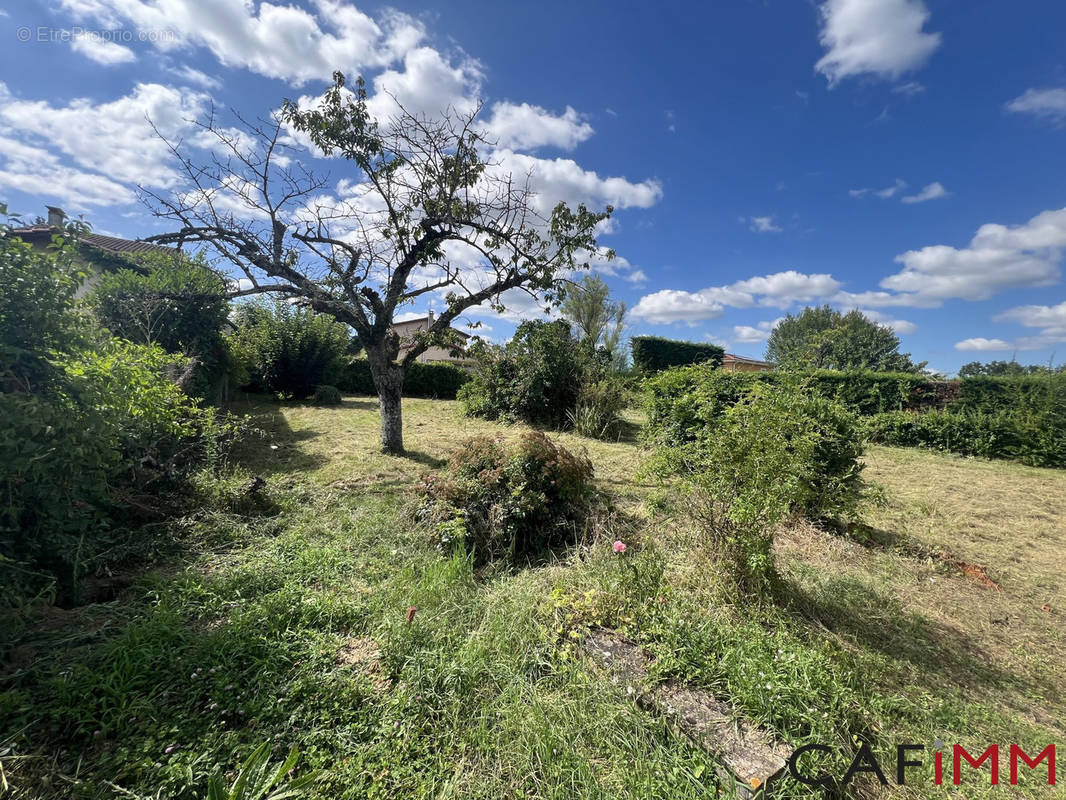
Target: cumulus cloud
x: 279, y: 41
x: 899, y: 326
x: 779, y: 290
x: 783, y: 289
x: 195, y: 77
x: 750, y: 334
x: 101, y: 50
x: 999, y: 257
x: 556, y: 180
x: 428, y: 84
x: 1051, y: 320
x: 674, y: 305
x: 113, y: 138
x: 36, y: 171
x: 1046, y: 103
x: 526, y: 127
x: 884, y: 38
x: 763, y: 225
x: 980, y: 343
x: 932, y: 191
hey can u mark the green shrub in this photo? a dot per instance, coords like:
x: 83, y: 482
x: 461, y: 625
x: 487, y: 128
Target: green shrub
x: 505, y: 501
x: 776, y: 451
x: 535, y: 377
x: 174, y: 302
x: 438, y: 381
x: 673, y: 396
x: 85, y: 419
x: 1021, y: 394
x: 326, y: 395
x: 286, y: 349
x: 1031, y: 439
x: 652, y: 353
x: 599, y: 409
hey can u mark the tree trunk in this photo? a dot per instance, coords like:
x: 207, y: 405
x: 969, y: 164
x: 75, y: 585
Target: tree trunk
x: 388, y: 380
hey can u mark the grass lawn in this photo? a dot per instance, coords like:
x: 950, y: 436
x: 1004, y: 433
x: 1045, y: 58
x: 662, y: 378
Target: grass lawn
x: 287, y: 623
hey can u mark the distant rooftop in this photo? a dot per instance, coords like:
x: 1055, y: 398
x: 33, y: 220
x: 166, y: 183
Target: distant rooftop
x: 112, y: 244
x: 744, y: 359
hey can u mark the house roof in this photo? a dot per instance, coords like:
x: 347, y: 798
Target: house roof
x: 427, y: 320
x: 110, y: 244
x: 744, y: 359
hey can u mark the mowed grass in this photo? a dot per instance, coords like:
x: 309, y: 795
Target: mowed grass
x: 287, y: 623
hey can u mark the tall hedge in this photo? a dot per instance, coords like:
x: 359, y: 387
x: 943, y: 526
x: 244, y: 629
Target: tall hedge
x: 439, y: 381
x: 1022, y: 418
x: 653, y: 354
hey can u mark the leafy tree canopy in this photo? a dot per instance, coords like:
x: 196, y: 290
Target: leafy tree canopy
x: 825, y: 338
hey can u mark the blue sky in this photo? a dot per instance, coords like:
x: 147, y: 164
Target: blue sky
x: 900, y: 156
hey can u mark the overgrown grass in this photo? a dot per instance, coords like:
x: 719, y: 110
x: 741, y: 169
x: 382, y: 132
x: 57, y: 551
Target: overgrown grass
x: 289, y: 625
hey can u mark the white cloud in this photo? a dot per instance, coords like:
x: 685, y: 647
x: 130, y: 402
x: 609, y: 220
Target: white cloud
x: 780, y: 290
x: 909, y: 89
x: 998, y: 257
x: 884, y: 38
x: 428, y: 84
x: 752, y: 334
x: 618, y: 267
x: 887, y: 192
x: 101, y: 50
x: 980, y: 343
x: 1047, y: 103
x: 526, y: 127
x: 36, y: 171
x: 932, y: 191
x: 763, y: 225
x: 1036, y: 316
x: 563, y: 180
x: 196, y: 77
x: 900, y: 326
x: 672, y: 305
x: 278, y: 41
x: 783, y: 289
x: 112, y: 138
x: 1050, y: 319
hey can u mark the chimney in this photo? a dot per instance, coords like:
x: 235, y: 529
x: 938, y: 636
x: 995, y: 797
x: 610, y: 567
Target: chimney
x: 56, y: 217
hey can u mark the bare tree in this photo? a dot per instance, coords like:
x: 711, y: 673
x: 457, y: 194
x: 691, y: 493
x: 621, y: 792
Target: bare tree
x: 424, y: 212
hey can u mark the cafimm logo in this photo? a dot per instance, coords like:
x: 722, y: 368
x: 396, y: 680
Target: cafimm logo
x: 949, y: 766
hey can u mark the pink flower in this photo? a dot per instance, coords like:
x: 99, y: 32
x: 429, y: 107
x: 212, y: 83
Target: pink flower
x: 619, y: 546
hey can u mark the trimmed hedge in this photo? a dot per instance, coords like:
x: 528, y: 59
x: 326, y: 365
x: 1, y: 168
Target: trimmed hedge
x: 436, y: 381
x: 1021, y: 418
x: 673, y: 395
x: 654, y: 354
x: 986, y: 394
x: 1029, y: 440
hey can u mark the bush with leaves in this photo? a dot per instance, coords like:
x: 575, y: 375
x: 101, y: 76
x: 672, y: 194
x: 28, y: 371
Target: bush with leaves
x: 600, y: 403
x: 326, y: 395
x: 653, y: 354
x: 1039, y: 441
x: 501, y: 500
x: 84, y: 419
x: 173, y: 302
x: 775, y: 452
x: 286, y: 349
x: 440, y: 381
x: 536, y: 377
